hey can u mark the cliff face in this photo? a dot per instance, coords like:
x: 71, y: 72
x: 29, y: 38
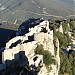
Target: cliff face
x: 40, y: 34
x: 56, y: 67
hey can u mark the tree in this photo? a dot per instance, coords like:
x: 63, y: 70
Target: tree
x: 47, y: 56
x: 74, y: 33
x: 66, y: 28
x: 72, y: 25
x: 39, y: 49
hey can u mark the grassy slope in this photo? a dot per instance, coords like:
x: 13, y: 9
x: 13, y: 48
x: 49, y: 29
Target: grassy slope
x: 53, y: 7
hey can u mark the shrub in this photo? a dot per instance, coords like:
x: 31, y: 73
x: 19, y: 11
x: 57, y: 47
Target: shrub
x: 37, y: 69
x: 47, y: 56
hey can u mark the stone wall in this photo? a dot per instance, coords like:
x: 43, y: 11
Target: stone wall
x: 22, y: 38
x: 28, y: 46
x: 46, y: 39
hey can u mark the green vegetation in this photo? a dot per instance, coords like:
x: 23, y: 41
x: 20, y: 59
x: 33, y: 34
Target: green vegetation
x: 47, y: 56
x: 67, y: 61
x: 64, y: 38
x: 37, y: 69
x: 52, y: 7
x: 66, y: 28
x: 72, y: 26
x: 74, y: 33
x: 67, y: 64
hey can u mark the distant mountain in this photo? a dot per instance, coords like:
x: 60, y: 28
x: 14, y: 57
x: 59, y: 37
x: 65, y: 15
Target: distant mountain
x: 21, y: 10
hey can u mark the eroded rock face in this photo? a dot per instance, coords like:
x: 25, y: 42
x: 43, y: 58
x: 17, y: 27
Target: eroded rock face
x: 40, y: 34
x: 60, y: 29
x: 54, y: 68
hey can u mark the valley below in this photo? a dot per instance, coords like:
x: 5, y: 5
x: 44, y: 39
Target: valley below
x: 21, y: 10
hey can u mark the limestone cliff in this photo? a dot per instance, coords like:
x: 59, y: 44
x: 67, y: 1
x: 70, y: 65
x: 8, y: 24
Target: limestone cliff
x: 39, y: 34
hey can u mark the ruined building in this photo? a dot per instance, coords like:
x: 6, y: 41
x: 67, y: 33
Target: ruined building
x: 23, y: 47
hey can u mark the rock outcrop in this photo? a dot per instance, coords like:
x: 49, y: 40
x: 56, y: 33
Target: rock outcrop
x: 39, y: 34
